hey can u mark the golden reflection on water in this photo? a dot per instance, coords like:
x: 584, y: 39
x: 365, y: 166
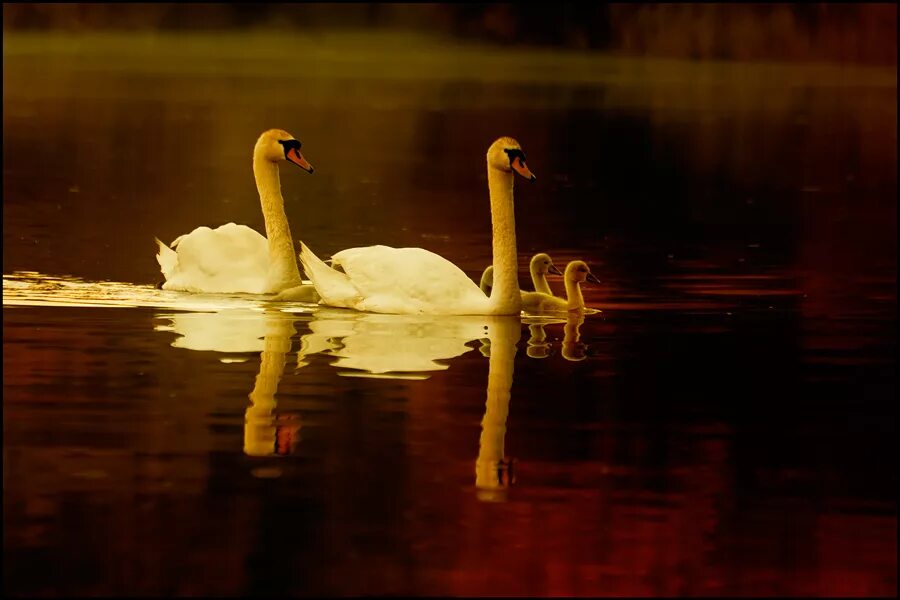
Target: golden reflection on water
x: 30, y: 288
x: 380, y: 344
x: 391, y: 346
x: 266, y: 434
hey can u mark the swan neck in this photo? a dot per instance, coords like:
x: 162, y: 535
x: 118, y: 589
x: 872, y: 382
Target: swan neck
x: 539, y: 280
x: 283, y: 271
x: 573, y: 294
x: 505, y: 297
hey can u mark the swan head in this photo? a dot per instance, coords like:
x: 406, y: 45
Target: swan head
x: 578, y: 271
x: 542, y: 264
x: 506, y: 155
x: 276, y: 145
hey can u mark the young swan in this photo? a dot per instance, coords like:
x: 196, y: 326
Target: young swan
x: 236, y: 258
x: 577, y: 272
x: 541, y: 264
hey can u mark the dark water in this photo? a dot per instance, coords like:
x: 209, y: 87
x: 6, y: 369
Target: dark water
x: 724, y: 425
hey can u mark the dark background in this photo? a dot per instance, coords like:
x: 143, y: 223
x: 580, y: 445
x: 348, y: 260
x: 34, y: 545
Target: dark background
x: 850, y: 32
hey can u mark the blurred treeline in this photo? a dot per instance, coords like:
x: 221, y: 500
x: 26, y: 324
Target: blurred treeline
x: 860, y: 33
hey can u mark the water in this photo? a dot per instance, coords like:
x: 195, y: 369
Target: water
x: 725, y: 423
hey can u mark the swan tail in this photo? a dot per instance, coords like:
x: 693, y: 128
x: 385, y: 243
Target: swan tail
x: 167, y: 259
x: 334, y: 287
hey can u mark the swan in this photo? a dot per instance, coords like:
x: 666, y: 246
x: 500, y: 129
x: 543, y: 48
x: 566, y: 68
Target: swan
x: 577, y: 271
x: 235, y: 258
x: 541, y: 264
x: 382, y: 279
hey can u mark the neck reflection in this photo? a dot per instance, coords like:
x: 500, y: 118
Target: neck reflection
x: 572, y: 347
x: 265, y: 433
x: 238, y: 332
x: 493, y: 471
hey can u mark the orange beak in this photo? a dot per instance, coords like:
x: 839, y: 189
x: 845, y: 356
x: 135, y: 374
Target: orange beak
x: 522, y: 170
x: 295, y: 157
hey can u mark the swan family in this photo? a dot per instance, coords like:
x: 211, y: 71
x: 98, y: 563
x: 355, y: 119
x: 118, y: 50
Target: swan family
x: 378, y: 279
x: 542, y: 299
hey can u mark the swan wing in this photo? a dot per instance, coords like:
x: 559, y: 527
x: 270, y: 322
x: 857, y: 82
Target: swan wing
x: 228, y: 259
x: 167, y: 259
x: 334, y: 287
x: 537, y: 302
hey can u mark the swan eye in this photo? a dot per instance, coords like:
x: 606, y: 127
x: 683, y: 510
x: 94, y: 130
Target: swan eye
x: 513, y: 154
x: 289, y: 145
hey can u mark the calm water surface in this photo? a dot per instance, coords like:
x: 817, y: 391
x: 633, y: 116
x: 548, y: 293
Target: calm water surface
x: 725, y: 424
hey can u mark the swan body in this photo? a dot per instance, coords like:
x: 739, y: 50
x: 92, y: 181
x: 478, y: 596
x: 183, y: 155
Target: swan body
x: 236, y: 258
x: 577, y: 272
x: 230, y: 258
x: 382, y: 279
x: 540, y: 265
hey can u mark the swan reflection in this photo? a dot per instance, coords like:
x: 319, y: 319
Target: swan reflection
x: 227, y: 331
x: 572, y: 347
x: 243, y: 331
x: 538, y: 346
x: 397, y: 346
x: 375, y: 345
x: 493, y: 470
x: 267, y: 433
x: 403, y: 344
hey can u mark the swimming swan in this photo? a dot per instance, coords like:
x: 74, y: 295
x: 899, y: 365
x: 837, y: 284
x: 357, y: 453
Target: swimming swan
x: 541, y: 264
x: 577, y: 271
x: 235, y: 258
x: 415, y: 281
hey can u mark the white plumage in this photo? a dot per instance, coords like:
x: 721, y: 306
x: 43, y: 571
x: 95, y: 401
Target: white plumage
x: 228, y: 259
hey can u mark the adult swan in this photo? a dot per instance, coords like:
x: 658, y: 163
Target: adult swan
x: 235, y: 258
x: 415, y: 281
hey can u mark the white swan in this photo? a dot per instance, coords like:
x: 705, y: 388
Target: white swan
x: 415, y: 281
x: 540, y: 265
x: 235, y: 258
x: 577, y: 271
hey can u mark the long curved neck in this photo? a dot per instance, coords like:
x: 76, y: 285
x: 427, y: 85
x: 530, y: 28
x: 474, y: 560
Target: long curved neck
x: 283, y: 271
x: 505, y: 297
x: 573, y: 294
x: 539, y: 280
